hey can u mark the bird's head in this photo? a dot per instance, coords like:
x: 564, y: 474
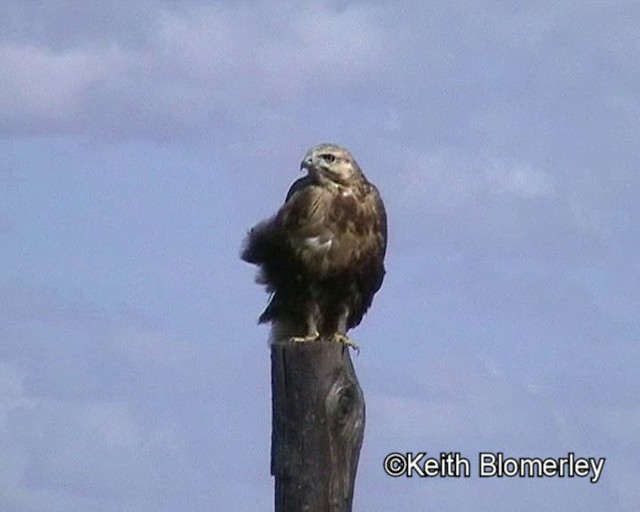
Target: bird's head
x: 331, y: 163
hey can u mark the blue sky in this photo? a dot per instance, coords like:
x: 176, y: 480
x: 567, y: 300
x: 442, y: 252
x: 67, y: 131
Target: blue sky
x: 140, y: 140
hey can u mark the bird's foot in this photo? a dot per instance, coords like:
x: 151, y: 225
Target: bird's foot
x: 314, y: 336
x: 345, y: 340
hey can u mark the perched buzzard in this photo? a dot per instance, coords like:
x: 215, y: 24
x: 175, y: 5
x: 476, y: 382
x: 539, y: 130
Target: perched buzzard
x: 322, y: 254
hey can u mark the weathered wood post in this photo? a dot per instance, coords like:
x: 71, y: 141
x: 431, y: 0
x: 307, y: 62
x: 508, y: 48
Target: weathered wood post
x: 318, y: 426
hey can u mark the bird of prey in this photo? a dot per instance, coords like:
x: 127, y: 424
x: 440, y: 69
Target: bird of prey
x: 321, y: 256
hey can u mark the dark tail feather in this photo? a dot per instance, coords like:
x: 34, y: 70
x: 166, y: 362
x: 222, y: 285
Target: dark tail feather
x: 271, y: 311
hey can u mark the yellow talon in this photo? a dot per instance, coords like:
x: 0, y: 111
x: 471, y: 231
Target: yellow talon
x: 345, y: 340
x: 304, y: 339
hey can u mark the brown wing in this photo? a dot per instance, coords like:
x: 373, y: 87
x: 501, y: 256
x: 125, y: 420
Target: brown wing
x: 305, y: 219
x: 378, y: 234
x: 367, y: 235
x: 268, y: 242
x: 281, y: 247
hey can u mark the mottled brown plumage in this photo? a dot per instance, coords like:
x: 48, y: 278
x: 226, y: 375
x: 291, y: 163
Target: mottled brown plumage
x: 322, y: 254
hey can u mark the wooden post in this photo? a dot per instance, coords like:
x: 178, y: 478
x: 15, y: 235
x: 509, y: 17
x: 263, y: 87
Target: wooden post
x: 318, y: 426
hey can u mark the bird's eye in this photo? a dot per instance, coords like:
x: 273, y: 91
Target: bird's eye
x: 329, y: 158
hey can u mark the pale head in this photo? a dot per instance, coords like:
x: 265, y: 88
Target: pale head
x: 330, y: 162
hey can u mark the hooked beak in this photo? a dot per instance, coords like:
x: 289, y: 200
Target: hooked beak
x: 306, y: 163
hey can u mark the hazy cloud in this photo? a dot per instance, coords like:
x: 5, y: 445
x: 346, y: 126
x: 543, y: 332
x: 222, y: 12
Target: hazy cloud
x: 195, y: 64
